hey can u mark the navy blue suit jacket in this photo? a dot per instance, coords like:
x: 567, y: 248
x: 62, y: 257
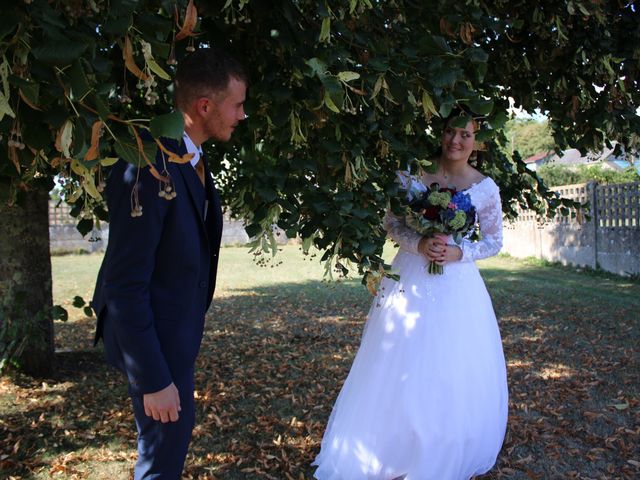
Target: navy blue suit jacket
x: 158, y: 275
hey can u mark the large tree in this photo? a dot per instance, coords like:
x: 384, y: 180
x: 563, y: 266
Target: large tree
x: 528, y: 136
x: 343, y: 93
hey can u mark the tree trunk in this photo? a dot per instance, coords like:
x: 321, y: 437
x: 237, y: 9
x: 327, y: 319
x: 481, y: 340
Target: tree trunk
x: 26, y: 323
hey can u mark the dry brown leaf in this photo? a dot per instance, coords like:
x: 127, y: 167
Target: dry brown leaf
x: 174, y: 158
x: 13, y: 156
x: 127, y: 55
x: 446, y: 28
x: 466, y: 33
x: 190, y: 21
x: 152, y: 168
x: 93, y: 151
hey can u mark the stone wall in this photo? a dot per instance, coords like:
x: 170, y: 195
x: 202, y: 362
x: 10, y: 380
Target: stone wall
x: 65, y: 238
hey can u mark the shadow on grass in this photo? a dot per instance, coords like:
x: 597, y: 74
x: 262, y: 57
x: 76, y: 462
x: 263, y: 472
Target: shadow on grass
x: 44, y: 420
x: 274, y: 358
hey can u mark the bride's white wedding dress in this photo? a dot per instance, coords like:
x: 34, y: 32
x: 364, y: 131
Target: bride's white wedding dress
x: 426, y: 397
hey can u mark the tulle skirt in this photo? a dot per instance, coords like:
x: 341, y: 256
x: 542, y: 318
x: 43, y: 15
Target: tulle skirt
x: 426, y: 397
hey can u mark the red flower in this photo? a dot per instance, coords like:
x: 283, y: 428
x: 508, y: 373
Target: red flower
x: 430, y: 213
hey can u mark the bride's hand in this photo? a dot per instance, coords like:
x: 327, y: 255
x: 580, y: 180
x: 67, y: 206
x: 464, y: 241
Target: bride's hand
x: 432, y: 247
x: 436, y: 250
x: 452, y: 253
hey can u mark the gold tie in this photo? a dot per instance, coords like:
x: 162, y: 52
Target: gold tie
x: 200, y: 170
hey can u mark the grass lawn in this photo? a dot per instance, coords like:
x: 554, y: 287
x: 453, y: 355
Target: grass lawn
x: 278, y: 344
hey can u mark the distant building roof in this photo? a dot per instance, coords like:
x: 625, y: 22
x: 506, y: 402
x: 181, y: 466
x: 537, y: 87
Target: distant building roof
x: 539, y: 156
x: 573, y: 156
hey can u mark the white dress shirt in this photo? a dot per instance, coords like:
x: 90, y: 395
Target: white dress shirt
x: 191, y: 148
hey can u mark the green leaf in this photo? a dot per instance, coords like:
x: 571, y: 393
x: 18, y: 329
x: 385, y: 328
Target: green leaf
x: 499, y: 120
x: 10, y: 22
x: 79, y: 139
x: 4, y: 77
x: 78, y: 81
x: 30, y: 90
x: 36, y: 135
x: 348, y: 76
x: 476, y: 55
x: 88, y: 311
x: 606, y: 61
x: 118, y: 26
x: 380, y: 64
x: 151, y: 23
x: 329, y: 103
x: 367, y: 248
x: 158, y: 70
x: 103, y: 108
x: 151, y: 62
x: 267, y: 194
x: 100, y: 213
x: 427, y: 105
x: 108, y: 161
x: 78, y: 302
x: 85, y: 226
x: 325, y: 30
x: 434, y: 44
x: 59, y: 313
x: 59, y: 53
x: 481, y: 106
x: 484, y: 135
x: 360, y: 212
x: 5, y: 108
x: 332, y: 221
x: 129, y: 152
x: 445, y: 109
x: 460, y: 121
x: 253, y: 230
x: 317, y: 66
x: 444, y: 77
x: 170, y: 125
x: 334, y: 93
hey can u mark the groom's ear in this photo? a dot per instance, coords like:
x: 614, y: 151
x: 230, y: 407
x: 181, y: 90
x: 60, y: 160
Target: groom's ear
x: 203, y: 106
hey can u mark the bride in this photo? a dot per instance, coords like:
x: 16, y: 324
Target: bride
x: 426, y: 397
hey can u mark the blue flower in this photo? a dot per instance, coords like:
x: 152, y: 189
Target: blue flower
x: 462, y: 201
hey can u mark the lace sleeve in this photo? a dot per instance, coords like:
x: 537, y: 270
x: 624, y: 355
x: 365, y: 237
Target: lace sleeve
x: 398, y: 231
x: 489, y: 209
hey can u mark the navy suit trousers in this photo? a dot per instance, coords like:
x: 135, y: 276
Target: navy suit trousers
x: 162, y: 447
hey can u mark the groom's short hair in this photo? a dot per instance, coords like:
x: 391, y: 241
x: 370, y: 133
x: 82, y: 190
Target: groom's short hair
x: 204, y: 72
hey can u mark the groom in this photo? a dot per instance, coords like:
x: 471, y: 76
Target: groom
x: 159, y: 271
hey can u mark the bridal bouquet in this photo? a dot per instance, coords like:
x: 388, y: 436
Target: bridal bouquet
x: 440, y: 210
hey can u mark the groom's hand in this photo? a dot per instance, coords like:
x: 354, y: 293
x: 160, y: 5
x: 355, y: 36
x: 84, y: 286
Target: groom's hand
x: 163, y: 405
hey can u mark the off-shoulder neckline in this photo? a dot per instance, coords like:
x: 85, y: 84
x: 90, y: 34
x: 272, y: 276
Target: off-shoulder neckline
x: 475, y: 184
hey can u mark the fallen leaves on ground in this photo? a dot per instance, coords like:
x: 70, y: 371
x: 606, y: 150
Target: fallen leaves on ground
x: 273, y: 360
